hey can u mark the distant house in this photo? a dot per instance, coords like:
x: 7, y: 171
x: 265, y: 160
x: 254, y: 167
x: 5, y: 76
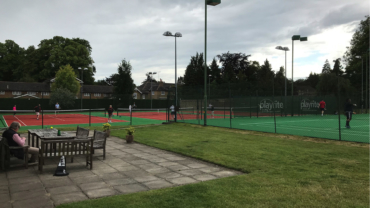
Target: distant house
x: 158, y: 90
x: 36, y: 90
x: 306, y: 90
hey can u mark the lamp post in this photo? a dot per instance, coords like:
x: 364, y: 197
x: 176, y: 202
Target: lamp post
x: 82, y: 77
x: 285, y: 49
x: 295, y: 37
x: 362, y: 83
x: 177, y: 35
x: 151, y: 91
x: 212, y: 3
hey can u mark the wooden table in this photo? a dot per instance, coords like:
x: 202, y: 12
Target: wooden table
x: 34, y: 135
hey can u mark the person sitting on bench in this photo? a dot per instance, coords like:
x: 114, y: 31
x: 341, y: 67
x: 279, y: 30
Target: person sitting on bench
x: 15, y: 140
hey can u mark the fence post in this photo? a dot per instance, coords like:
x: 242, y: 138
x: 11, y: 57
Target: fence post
x: 90, y: 115
x: 42, y: 118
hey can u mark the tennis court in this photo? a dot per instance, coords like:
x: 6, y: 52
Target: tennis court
x: 326, y: 126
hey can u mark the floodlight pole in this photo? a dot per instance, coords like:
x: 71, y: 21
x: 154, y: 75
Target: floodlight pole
x: 295, y: 37
x: 82, y: 77
x: 205, y: 63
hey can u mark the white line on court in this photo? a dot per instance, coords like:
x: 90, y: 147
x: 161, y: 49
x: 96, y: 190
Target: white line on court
x: 20, y: 120
x: 285, y: 121
x: 5, y: 122
x: 331, y: 131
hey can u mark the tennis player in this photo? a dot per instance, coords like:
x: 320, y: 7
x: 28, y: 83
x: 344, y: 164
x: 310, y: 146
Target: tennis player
x: 15, y: 110
x: 57, y: 107
x: 172, y: 111
x: 322, y: 107
x: 134, y: 106
x: 212, y: 109
x: 348, y: 108
x: 110, y: 112
x: 37, y: 111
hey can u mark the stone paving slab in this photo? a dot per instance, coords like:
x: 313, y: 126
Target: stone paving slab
x: 128, y: 168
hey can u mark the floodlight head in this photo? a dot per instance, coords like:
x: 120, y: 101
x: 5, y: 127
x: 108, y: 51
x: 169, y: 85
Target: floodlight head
x: 303, y: 39
x: 359, y: 57
x: 279, y: 48
x: 213, y: 2
x: 154, y: 72
x: 178, y: 35
x: 296, y: 37
x: 167, y: 33
x: 150, y: 72
x: 79, y: 68
x: 282, y: 48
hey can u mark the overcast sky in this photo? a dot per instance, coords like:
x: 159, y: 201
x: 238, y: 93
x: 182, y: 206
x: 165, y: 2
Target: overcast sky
x: 132, y: 30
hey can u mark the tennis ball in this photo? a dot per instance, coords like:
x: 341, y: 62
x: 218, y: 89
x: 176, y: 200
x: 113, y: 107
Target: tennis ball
x: 51, y: 127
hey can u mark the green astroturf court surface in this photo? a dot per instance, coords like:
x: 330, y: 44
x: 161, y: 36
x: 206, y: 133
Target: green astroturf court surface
x: 326, y: 126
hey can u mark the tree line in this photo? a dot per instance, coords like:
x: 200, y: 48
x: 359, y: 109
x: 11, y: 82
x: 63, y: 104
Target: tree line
x: 237, y: 68
x: 37, y: 64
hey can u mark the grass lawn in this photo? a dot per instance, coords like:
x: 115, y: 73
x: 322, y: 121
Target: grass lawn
x: 281, y: 171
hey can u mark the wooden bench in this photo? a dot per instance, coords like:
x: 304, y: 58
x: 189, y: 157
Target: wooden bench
x: 70, y: 147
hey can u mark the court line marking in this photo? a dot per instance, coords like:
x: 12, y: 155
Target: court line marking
x: 330, y: 131
x: 301, y: 127
x: 285, y: 121
x: 55, y: 118
x: 5, y: 122
x: 20, y: 120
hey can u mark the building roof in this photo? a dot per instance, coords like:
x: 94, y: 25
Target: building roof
x: 155, y: 86
x: 24, y: 86
x: 97, y: 89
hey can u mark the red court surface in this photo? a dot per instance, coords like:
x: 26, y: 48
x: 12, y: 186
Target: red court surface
x: 149, y: 115
x: 30, y: 120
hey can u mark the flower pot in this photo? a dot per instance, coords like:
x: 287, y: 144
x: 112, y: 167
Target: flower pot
x: 107, y: 132
x: 129, y: 138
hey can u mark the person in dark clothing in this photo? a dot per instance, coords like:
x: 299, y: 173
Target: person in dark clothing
x: 110, y: 113
x: 15, y: 140
x: 348, y: 109
x: 37, y: 111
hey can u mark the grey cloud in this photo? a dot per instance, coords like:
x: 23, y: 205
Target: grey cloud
x: 133, y: 30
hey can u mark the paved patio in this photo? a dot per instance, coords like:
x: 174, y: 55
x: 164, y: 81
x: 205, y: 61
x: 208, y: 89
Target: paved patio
x: 128, y: 168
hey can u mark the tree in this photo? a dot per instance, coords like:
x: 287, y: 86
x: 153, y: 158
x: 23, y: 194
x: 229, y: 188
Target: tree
x: 265, y: 77
x: 11, y: 61
x: 66, y: 78
x: 215, y: 72
x: 123, y: 83
x: 234, y: 66
x: 359, y: 46
x: 64, y: 97
x: 313, y: 79
x: 326, y: 69
x: 337, y: 69
x: 328, y: 84
x: 59, y: 51
x: 194, y: 73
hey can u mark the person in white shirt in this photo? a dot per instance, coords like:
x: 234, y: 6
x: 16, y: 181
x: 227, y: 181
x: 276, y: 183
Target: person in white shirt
x: 129, y: 108
x: 172, y: 108
x: 212, y: 109
x: 56, y: 108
